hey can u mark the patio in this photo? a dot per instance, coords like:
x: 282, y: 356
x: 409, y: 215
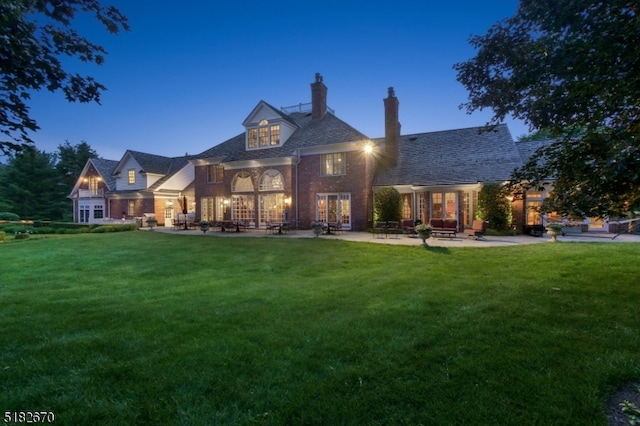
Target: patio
x: 460, y: 241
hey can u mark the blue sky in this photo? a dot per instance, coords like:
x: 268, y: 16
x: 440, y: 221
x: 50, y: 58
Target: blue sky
x: 189, y: 72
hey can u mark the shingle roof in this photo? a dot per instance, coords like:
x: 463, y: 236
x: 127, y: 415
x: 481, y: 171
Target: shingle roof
x: 528, y: 148
x: 449, y: 157
x: 327, y: 130
x: 105, y: 168
x: 158, y: 164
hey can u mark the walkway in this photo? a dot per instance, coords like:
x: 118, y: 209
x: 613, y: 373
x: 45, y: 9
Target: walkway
x: 459, y: 241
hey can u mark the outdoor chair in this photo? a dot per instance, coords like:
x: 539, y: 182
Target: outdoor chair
x: 477, y: 230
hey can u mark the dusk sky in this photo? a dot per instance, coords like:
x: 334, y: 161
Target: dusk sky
x: 189, y: 72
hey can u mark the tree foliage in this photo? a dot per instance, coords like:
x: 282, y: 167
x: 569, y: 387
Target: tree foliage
x: 35, y: 35
x: 494, y: 206
x: 570, y: 68
x: 71, y: 161
x: 32, y: 188
x: 35, y: 184
x: 388, y: 204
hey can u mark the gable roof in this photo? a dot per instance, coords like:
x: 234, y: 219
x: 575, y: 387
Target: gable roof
x: 310, y: 133
x: 262, y: 104
x: 106, y: 168
x: 460, y: 156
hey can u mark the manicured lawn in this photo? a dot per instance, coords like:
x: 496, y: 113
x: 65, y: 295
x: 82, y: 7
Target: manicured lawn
x: 148, y: 328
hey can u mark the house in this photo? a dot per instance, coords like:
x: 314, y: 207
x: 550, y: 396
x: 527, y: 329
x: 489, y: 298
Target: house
x: 303, y: 164
x: 439, y: 174
x: 138, y: 185
x: 299, y: 164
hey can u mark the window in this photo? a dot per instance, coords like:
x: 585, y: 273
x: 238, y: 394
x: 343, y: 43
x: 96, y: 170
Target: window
x: 272, y: 180
x: 407, y: 211
x: 131, y: 208
x: 131, y: 175
x: 275, y: 135
x: 252, y: 137
x: 98, y: 211
x: 333, y: 164
x: 215, y: 173
x: 334, y: 208
x: 264, y: 140
x: 206, y: 208
x: 242, y: 183
x: 263, y: 136
x: 242, y: 208
x: 84, y: 213
x: 93, y: 185
x: 272, y: 208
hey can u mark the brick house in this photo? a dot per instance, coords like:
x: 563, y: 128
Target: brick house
x: 296, y: 164
x: 302, y: 164
x: 138, y: 185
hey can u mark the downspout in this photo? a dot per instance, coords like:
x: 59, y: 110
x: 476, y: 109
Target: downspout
x: 297, y: 161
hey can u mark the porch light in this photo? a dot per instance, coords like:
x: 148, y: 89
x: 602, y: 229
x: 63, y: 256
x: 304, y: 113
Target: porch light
x: 287, y: 201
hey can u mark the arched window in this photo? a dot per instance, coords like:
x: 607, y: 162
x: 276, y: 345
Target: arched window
x: 242, y: 183
x: 272, y: 180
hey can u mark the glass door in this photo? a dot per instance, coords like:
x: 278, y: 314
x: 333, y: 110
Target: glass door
x: 444, y: 205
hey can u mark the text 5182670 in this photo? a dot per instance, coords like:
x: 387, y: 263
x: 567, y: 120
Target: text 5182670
x: 16, y: 417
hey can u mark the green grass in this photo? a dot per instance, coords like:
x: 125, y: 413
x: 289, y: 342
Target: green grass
x: 149, y: 328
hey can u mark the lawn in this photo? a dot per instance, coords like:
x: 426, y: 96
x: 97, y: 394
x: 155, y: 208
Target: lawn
x: 149, y: 328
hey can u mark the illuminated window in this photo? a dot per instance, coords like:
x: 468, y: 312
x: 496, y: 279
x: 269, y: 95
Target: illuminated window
x: 253, y: 138
x: 264, y: 135
x: 407, y: 211
x: 333, y: 164
x: 242, y: 183
x: 272, y: 180
x: 274, y: 137
x: 131, y: 176
x: 215, y: 173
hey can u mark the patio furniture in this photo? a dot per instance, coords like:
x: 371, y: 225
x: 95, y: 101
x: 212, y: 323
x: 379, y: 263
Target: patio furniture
x: 444, y: 227
x: 478, y: 230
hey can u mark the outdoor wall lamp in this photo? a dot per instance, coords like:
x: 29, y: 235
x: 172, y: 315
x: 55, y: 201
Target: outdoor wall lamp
x: 287, y: 201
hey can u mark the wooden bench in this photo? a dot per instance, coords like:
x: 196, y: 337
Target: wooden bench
x: 444, y: 227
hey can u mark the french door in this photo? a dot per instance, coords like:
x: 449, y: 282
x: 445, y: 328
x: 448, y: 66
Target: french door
x: 334, y: 208
x: 444, y: 205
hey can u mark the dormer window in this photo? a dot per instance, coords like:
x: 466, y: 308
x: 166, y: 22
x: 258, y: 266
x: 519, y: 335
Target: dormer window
x: 264, y: 136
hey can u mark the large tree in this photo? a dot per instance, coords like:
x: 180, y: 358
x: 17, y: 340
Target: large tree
x: 36, y: 35
x: 570, y: 68
x: 32, y: 188
x: 71, y: 161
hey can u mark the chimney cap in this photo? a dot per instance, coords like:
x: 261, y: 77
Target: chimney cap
x: 318, y: 77
x: 392, y: 92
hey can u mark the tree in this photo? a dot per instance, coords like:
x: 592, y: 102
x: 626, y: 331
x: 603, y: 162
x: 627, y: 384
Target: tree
x: 494, y: 206
x: 570, y: 68
x: 31, y: 187
x: 71, y: 161
x: 35, y: 35
x: 388, y: 204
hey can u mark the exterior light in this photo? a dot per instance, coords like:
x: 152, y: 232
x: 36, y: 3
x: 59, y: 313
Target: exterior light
x: 287, y: 201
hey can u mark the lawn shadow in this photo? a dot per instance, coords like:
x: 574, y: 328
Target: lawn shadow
x: 440, y: 250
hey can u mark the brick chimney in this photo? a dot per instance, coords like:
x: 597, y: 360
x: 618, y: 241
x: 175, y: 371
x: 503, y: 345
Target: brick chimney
x: 391, y: 127
x: 318, y: 98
